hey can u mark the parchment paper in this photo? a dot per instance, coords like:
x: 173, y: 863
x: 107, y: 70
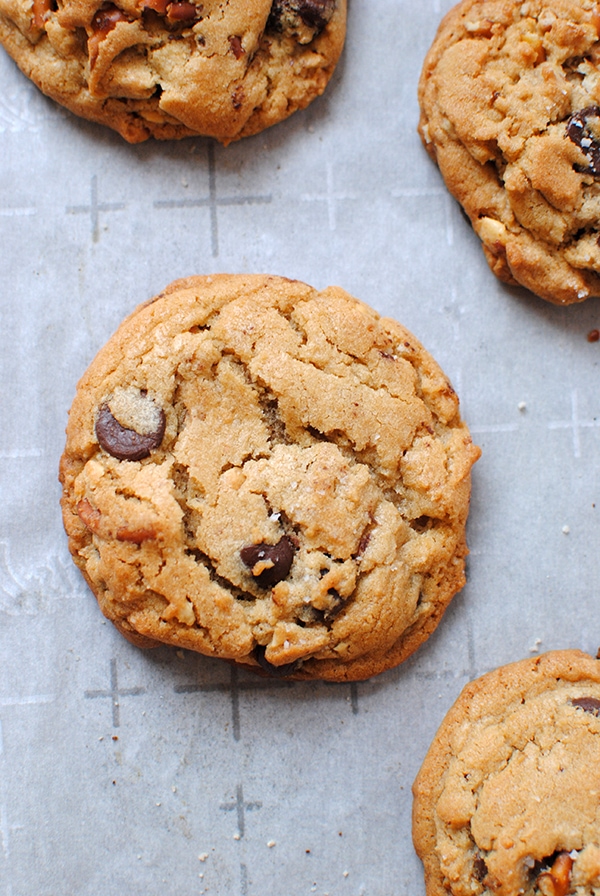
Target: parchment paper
x: 130, y: 773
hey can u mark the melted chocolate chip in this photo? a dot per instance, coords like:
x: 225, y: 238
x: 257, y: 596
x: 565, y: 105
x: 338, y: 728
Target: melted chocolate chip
x: 480, y: 869
x: 126, y: 444
x: 277, y: 671
x: 235, y: 43
x: 279, y: 556
x: 312, y: 13
x: 588, y: 704
x: 580, y: 132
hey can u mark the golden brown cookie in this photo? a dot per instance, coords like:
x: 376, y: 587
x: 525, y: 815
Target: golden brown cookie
x: 268, y: 474
x: 176, y: 68
x: 507, y: 801
x: 510, y: 112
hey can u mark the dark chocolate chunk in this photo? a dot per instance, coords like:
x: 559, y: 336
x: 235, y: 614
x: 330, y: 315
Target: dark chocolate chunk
x: 586, y: 138
x: 280, y: 556
x: 588, y: 704
x: 312, y: 13
x: 126, y: 444
x: 277, y: 671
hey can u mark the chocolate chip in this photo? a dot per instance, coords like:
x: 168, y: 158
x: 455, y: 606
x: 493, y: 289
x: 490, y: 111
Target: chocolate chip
x: 235, y: 43
x: 277, y: 671
x: 274, y: 561
x: 337, y: 605
x: 480, y: 869
x: 123, y: 443
x: 580, y: 132
x: 588, y: 704
x: 312, y: 13
x: 363, y: 544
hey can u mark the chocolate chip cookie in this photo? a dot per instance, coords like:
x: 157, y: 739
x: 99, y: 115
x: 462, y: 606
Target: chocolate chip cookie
x: 175, y: 68
x: 508, y: 798
x: 510, y: 111
x: 269, y: 474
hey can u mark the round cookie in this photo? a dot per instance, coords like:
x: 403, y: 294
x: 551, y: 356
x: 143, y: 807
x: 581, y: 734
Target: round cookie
x: 508, y: 798
x: 510, y: 112
x: 177, y: 68
x: 268, y: 474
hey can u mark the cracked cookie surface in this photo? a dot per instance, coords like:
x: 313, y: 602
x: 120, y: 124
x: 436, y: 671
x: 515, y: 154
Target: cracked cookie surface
x: 507, y: 800
x: 509, y: 97
x: 268, y: 474
x: 177, y: 68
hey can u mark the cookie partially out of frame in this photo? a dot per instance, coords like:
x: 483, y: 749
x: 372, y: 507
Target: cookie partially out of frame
x: 176, y: 68
x: 510, y: 111
x: 508, y: 799
x: 268, y: 474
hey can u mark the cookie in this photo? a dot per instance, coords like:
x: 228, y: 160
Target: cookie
x: 268, y: 474
x: 510, y: 112
x: 177, y: 68
x: 507, y: 800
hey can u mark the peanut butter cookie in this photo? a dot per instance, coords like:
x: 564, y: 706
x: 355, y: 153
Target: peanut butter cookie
x: 269, y: 474
x: 507, y: 800
x: 510, y: 111
x: 175, y: 68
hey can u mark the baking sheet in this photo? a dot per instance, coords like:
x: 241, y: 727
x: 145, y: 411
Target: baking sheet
x: 162, y: 772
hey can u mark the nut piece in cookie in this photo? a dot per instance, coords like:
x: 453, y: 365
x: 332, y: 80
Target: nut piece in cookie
x: 506, y: 801
x: 509, y: 111
x: 177, y: 68
x: 271, y: 475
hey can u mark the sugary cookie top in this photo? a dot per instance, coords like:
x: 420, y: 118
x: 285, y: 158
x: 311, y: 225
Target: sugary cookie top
x: 508, y: 800
x: 510, y: 111
x: 267, y: 473
x: 171, y: 68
